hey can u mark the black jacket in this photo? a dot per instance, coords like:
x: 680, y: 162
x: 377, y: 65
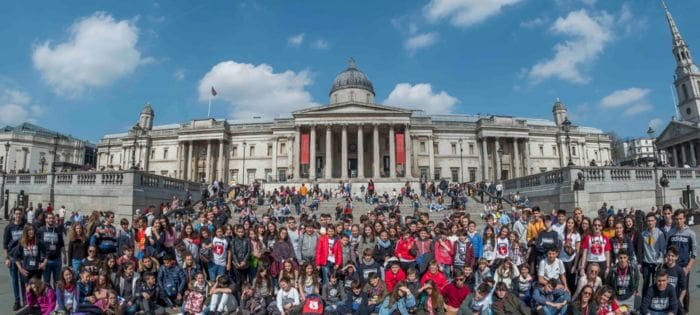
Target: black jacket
x: 52, y: 238
x: 11, y: 236
x: 242, y: 248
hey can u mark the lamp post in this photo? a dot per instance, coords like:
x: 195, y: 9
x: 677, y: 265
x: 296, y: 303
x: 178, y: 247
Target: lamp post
x: 500, y: 162
x: 461, y: 163
x: 133, y: 155
x: 243, y: 168
x: 53, y: 168
x: 664, y: 183
x: 566, y: 126
x: 3, y: 201
x: 42, y: 161
x: 651, y: 132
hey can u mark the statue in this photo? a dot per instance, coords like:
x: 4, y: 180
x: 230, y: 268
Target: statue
x: 580, y: 182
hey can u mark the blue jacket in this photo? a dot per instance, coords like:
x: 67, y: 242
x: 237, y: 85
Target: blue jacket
x: 172, y: 280
x: 686, y: 243
x: 478, y: 244
x: 61, y: 304
x: 402, y: 305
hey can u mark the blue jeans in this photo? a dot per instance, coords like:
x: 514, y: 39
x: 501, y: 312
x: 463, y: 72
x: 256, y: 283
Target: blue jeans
x: 326, y: 271
x: 53, y: 268
x: 75, y: 263
x: 648, y: 274
x: 563, y: 296
x: 215, y: 271
x: 17, y: 285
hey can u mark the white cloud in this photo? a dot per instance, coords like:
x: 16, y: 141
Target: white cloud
x: 656, y: 124
x: 534, y: 23
x: 100, y: 50
x: 17, y: 107
x: 296, y: 40
x: 419, y: 41
x: 256, y: 90
x: 421, y: 96
x: 636, y: 109
x: 319, y: 44
x: 624, y: 97
x: 464, y: 13
x: 589, y: 34
x: 179, y: 74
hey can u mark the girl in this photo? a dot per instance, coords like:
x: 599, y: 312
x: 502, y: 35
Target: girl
x: 368, y: 239
x: 308, y: 281
x: 584, y: 305
x: 195, y: 295
x: 522, y: 285
x: 568, y: 255
x: 431, y: 301
x: 585, y: 227
x: 30, y: 255
x: 401, y: 300
x: 109, y: 305
x: 517, y: 250
x: 506, y: 272
x: 283, y: 250
x: 489, y: 250
x: 482, y: 272
x: 621, y: 243
x: 110, y: 267
x: 444, y: 251
x: 605, y: 302
x: 505, y: 303
x: 595, y: 247
x: 221, y: 255
x: 263, y: 285
x: 66, y: 292
x: 270, y: 235
x: 502, y: 244
x: 257, y: 252
x: 205, y: 254
x: 609, y: 230
x: 190, y: 267
x: 155, y: 240
x: 406, y: 250
x: 77, y: 245
x: 384, y: 248
x: 288, y: 271
x: 41, y: 299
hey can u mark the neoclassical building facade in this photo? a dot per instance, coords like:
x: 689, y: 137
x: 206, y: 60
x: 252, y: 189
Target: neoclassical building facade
x: 354, y: 138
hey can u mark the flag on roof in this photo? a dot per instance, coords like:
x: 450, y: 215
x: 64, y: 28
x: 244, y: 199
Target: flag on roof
x: 213, y: 91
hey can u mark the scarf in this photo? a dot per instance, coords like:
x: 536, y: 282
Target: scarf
x: 384, y: 244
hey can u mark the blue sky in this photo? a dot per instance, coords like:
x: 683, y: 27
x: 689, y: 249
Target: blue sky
x: 88, y: 67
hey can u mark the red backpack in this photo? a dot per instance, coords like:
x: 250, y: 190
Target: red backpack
x: 313, y: 305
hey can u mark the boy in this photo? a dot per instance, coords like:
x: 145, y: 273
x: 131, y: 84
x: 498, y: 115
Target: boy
x: 676, y: 275
x: 624, y: 281
x: 333, y: 293
x: 661, y: 299
x: 147, y: 295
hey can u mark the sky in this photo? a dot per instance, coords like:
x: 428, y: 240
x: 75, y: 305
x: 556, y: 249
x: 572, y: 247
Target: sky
x: 87, y: 68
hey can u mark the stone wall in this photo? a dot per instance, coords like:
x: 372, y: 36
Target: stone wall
x: 622, y: 187
x: 122, y: 192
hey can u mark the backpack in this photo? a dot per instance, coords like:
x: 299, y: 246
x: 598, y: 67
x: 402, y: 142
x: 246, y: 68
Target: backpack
x: 313, y: 305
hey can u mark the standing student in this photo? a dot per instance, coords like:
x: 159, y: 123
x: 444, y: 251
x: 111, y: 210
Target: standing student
x: 30, y: 257
x: 51, y: 235
x: 683, y: 238
x: 652, y: 254
x: 661, y: 299
x: 596, y: 248
x: 11, y: 237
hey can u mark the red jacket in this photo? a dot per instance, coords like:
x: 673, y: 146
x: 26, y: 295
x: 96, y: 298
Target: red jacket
x: 438, y: 278
x: 403, y: 249
x: 444, y: 255
x: 392, y: 279
x: 322, y: 251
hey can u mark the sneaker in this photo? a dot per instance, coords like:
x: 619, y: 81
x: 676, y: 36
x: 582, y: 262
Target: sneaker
x: 16, y: 307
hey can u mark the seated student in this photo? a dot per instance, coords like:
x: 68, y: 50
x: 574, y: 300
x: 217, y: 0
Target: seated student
x: 476, y: 302
x: 333, y: 293
x: 147, y: 295
x: 549, y: 299
x: 522, y: 285
x: 357, y: 302
x: 661, y: 298
x: 172, y: 280
x: 193, y: 299
x: 455, y: 292
x: 552, y: 268
x: 223, y: 294
x: 624, y: 280
x: 376, y: 292
x: 40, y: 297
x: 251, y: 303
x: 605, y: 302
x: 504, y: 302
x: 584, y: 305
x: 412, y: 281
x: 401, y: 300
x: 287, y: 301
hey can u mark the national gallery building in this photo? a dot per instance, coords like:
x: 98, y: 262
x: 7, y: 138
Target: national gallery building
x: 352, y: 137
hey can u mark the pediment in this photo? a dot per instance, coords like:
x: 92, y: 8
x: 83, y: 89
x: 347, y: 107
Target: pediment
x: 353, y: 109
x: 676, y: 130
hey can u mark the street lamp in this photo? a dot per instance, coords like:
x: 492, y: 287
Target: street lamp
x: 43, y: 162
x: 133, y: 155
x: 500, y: 162
x: 566, y: 126
x: 243, y: 168
x: 651, y: 132
x: 53, y: 167
x: 461, y: 164
x: 3, y: 201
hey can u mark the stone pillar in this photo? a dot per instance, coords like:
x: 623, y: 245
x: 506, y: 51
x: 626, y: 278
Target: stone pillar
x: 274, y: 158
x: 312, y: 153
x: 146, y: 156
x: 329, y: 153
x: 526, y: 167
x: 344, y: 152
x: 431, y: 159
x: 407, y: 152
x: 179, y: 160
x: 290, y: 153
x: 297, y: 152
x: 684, y: 158
x: 189, y: 168
x: 375, y: 150
x: 220, y: 164
x: 392, y: 152
x: 675, y: 156
x: 484, y: 158
x: 562, y: 152
x: 497, y: 146
x: 360, y: 152
x: 207, y: 162
x: 516, y: 158
x: 693, y: 158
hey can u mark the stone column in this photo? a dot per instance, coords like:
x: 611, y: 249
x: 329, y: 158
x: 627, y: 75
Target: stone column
x: 297, y: 152
x: 274, y: 158
x: 220, y: 164
x: 392, y: 152
x: 484, y: 158
x: 360, y: 152
x: 344, y: 152
x: 562, y: 153
x: 123, y: 159
x: 693, y: 158
x: 375, y: 150
x: 407, y: 152
x: 207, y: 162
x: 431, y: 159
x: 312, y: 153
x: 146, y: 156
x: 497, y: 174
x: 684, y: 159
x: 179, y: 160
x: 526, y: 167
x: 516, y: 158
x: 189, y: 168
x: 675, y: 156
x: 329, y: 153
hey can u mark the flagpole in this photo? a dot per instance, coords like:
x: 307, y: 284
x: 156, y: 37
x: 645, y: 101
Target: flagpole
x: 209, y: 111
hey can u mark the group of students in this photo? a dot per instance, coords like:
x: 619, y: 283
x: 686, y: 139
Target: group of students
x: 388, y: 263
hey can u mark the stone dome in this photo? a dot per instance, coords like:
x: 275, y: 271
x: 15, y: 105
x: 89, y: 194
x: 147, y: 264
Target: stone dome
x: 352, y: 78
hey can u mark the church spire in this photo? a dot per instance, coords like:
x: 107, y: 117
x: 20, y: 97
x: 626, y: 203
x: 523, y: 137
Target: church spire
x: 684, y: 60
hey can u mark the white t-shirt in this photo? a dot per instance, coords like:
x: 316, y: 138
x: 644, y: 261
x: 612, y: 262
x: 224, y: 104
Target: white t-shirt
x: 502, y: 247
x: 219, y: 249
x: 489, y: 252
x: 572, y: 239
x: 596, y: 246
x: 551, y: 271
x: 331, y: 243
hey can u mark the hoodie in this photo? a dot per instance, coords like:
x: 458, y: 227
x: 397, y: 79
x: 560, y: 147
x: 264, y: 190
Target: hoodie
x: 333, y: 293
x: 465, y: 253
x: 307, y: 245
x: 366, y: 268
x: 382, y: 250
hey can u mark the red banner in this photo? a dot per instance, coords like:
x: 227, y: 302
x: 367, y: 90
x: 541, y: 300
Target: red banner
x: 400, y: 149
x: 304, y: 148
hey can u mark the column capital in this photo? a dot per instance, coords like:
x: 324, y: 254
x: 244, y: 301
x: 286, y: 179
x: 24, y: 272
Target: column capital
x: 344, y: 125
x: 360, y: 125
x: 375, y: 124
x: 329, y: 126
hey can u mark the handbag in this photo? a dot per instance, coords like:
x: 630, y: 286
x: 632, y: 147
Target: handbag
x: 195, y: 302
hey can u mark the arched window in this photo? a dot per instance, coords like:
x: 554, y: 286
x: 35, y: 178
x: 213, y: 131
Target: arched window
x: 685, y: 92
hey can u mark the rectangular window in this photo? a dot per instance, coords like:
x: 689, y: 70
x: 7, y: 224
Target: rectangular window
x: 554, y: 150
x: 422, y: 147
x: 423, y: 172
x: 153, y: 154
x: 268, y: 175
x: 234, y: 152
x: 437, y: 173
x: 252, y: 151
x: 283, y: 149
x: 471, y: 149
x: 269, y: 150
x: 251, y: 175
x: 541, y: 150
x: 282, y: 174
x: 454, y: 172
x: 454, y: 149
x: 165, y: 154
x: 472, y: 174
x: 436, y: 148
x: 573, y: 150
x: 234, y: 175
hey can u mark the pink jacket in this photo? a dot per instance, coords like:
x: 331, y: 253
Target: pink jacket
x: 46, y: 302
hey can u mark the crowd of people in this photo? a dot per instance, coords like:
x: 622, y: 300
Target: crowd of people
x: 234, y: 254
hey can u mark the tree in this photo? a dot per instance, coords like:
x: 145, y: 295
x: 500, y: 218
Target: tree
x: 616, y: 150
